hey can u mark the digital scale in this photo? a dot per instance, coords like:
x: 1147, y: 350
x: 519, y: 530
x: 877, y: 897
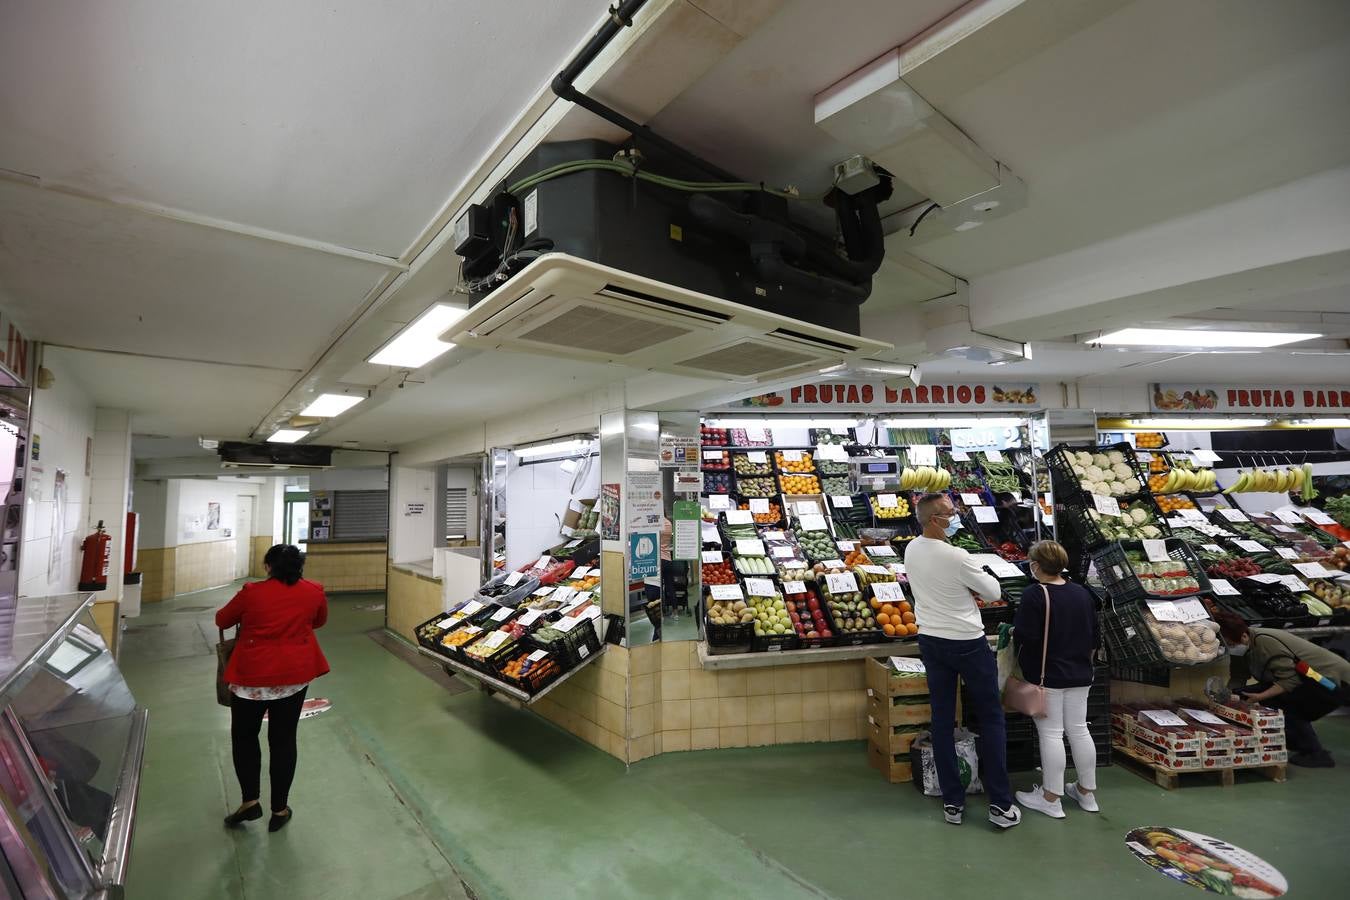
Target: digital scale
x: 875, y: 473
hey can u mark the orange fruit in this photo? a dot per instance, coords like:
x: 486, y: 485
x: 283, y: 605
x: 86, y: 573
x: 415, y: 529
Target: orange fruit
x: 888, y: 609
x: 876, y: 604
x: 908, y: 617
x: 883, y: 619
x: 904, y: 606
x: 889, y: 628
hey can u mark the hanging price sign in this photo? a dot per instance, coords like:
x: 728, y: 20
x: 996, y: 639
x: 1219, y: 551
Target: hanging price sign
x: 888, y: 592
x: 887, y: 501
x: 739, y: 517
x: 922, y: 455
x: 1107, y: 506
x: 986, y: 514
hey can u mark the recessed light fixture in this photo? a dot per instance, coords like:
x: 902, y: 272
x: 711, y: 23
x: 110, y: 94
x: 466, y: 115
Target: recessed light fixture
x: 770, y: 422
x: 555, y: 448
x: 1217, y: 422
x: 1320, y: 423
x: 420, y: 342
x: 286, y: 436
x: 967, y: 226
x: 959, y: 422
x: 1184, y: 337
x: 326, y: 406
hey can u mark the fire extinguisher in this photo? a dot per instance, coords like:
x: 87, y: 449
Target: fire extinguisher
x: 97, y: 557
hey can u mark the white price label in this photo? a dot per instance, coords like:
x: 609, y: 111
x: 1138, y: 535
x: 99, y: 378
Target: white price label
x: 1107, y: 506
x: 794, y: 587
x: 1178, y: 523
x: 1232, y: 515
x: 784, y: 553
x: 1289, y: 515
x: 714, y: 455
x: 1179, y: 459
x: 1206, y: 456
x: 873, y: 570
x: 530, y: 617
x: 566, y: 623
x: 710, y: 535
x: 896, y: 568
x: 833, y: 563
x: 1345, y: 543
x: 1164, y: 610
x: 537, y: 655
x: 759, y: 505
x: 1287, y: 552
x: 774, y: 536
x: 583, y: 651
x: 760, y: 587
x: 835, y: 452
x: 993, y: 456
x: 470, y: 608
x: 564, y: 594
x: 543, y: 562
x: 544, y: 591
x: 1313, y: 570
x: 749, y: 547
x: 880, y: 550
x: 1193, y: 514
x: 502, y: 614
x: 1224, y: 588
x: 1211, y: 548
x: 583, y: 597
x: 1191, y: 611
x: 1156, y: 551
x: 986, y: 514
x: 841, y: 430
x: 807, y: 508
x: 887, y: 501
x: 791, y: 455
x: 739, y: 517
x: 578, y: 574
x: 888, y: 592
x: 495, y: 640
x: 1164, y: 717
x: 726, y: 592
x: 971, y: 499
x: 719, y: 502
x: 841, y: 583
x: 1203, y: 716
x: 756, y: 435
x: 846, y: 546
x: 922, y: 455
x: 514, y: 578
x: 842, y: 501
x: 1294, y: 583
x: 572, y: 545
x: 960, y: 455
x: 814, y: 522
x: 907, y: 664
x: 1284, y: 529
x: 758, y: 457
x: 1250, y: 546
x: 1317, y: 517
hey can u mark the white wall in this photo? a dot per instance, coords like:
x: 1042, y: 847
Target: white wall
x: 411, y: 538
x: 372, y: 479
x: 110, y: 489
x: 150, y: 500
x: 536, y: 498
x: 62, y: 423
x: 188, y: 499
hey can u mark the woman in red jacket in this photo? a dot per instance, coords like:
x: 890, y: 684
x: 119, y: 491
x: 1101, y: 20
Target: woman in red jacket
x: 274, y: 660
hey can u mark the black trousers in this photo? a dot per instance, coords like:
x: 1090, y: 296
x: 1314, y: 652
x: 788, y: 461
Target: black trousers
x: 283, y: 716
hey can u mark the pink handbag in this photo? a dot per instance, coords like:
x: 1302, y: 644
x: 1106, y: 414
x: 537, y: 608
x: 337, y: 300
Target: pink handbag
x: 1020, y: 696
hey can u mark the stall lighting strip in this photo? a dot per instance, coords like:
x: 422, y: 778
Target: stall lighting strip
x: 966, y: 422
x: 771, y: 422
x: 570, y: 447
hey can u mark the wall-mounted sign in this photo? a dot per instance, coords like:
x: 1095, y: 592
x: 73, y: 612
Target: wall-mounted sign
x: 16, y: 356
x: 678, y: 450
x: 414, y: 509
x: 875, y: 396
x: 1248, y: 398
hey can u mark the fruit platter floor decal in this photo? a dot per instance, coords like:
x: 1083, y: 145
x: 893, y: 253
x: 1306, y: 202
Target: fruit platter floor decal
x: 312, y: 707
x: 1205, y: 862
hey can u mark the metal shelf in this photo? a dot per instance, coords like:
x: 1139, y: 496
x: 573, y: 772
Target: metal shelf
x: 501, y: 687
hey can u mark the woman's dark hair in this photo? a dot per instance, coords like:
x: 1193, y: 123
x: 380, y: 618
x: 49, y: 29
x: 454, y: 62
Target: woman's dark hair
x: 1231, y: 626
x: 286, y: 563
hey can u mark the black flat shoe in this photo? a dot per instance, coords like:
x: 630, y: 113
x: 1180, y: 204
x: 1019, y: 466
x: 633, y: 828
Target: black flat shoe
x: 1320, y: 760
x: 243, y: 814
x: 276, y: 823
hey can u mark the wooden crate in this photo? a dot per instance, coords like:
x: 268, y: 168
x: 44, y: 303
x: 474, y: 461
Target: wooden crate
x: 885, y: 737
x: 1170, y: 780
x: 881, y: 683
x: 886, y: 711
x: 894, y: 768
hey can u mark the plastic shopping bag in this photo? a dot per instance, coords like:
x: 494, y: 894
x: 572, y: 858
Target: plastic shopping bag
x: 925, y: 769
x: 1006, y: 657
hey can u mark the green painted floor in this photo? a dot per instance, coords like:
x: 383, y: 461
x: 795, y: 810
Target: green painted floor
x: 408, y: 790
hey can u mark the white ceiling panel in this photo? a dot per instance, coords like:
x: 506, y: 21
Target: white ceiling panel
x: 172, y: 397
x: 345, y: 121
x: 88, y: 274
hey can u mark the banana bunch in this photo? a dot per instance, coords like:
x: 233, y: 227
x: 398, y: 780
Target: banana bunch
x: 924, y: 478
x: 1274, y: 481
x: 1188, y: 480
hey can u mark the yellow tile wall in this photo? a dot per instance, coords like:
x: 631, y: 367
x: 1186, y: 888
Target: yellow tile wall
x: 157, y: 567
x: 260, y: 544
x: 593, y: 705
x: 106, y: 613
x: 348, y: 567
x: 203, y: 565
x: 409, y: 601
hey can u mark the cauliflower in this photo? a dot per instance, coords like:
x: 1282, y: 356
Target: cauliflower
x: 1100, y: 461
x: 1138, y: 516
x: 1084, y: 458
x: 1093, y: 473
x: 1115, y: 456
x: 1122, y: 471
x: 1118, y: 489
x: 1151, y: 532
x: 1079, y: 470
x: 1088, y: 485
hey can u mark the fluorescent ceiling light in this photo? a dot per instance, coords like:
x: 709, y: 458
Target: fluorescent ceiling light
x: 326, y: 406
x: 966, y: 422
x: 1184, y: 337
x: 783, y: 423
x: 1321, y: 423
x: 1210, y: 424
x: 555, y: 448
x: 286, y: 436
x: 420, y: 342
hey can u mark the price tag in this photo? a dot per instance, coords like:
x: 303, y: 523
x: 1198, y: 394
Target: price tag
x: 1317, y: 517
x: 1107, y: 506
x: 572, y: 545
x: 1264, y: 578
x: 758, y: 457
x: 1203, y: 716
x: 794, y: 587
x: 986, y: 514
x: 564, y: 594
x: 1284, y: 529
x: 1224, y: 588
x: 578, y: 574
x: 472, y: 629
x: 759, y: 505
x: 470, y: 608
x: 1164, y: 717
x: 719, y: 502
x: 726, y: 592
x: 756, y: 435
x: 759, y: 587
x: 583, y: 651
x: 1313, y: 570
x: 714, y: 455
x: 544, y: 591
x: 1288, y: 515
x: 1178, y: 523
x: 846, y: 546
x: 529, y: 617
x: 566, y: 623
x: 896, y: 568
x: 960, y: 455
x: 1180, y: 459
x: 749, y: 547
x: 502, y: 614
x: 791, y: 455
x: 1211, y: 548
x: 537, y: 655
x: 841, y: 583
x: 922, y: 455
x: 887, y: 501
x: 1232, y: 515
x: 833, y: 563
x: 543, y: 562
x: 739, y: 517
x: 907, y: 664
x: 1294, y: 583
x: 835, y: 452
x: 1206, y: 456
x: 1164, y: 610
x: 1156, y: 551
x: 1250, y: 546
x: 1191, y: 611
x: 972, y: 499
x: 880, y: 550
x: 888, y: 592
x: 582, y: 597
x: 993, y: 456
x: 514, y: 578
x: 842, y: 501
x: 807, y: 508
x: 813, y: 522
x: 710, y: 535
x: 495, y: 640
x: 1345, y: 543
x: 873, y: 570
x: 1287, y: 552
x: 1193, y: 514
x: 784, y: 553
x: 774, y: 536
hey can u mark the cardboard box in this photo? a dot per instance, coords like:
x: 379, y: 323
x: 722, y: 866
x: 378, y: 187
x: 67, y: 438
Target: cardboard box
x: 1259, y: 717
x: 886, y: 711
x: 1266, y: 756
x: 895, y: 769
x: 1176, y: 761
x: 1175, y: 741
x: 893, y: 738
x: 882, y: 682
x: 1217, y: 759
x: 572, y: 517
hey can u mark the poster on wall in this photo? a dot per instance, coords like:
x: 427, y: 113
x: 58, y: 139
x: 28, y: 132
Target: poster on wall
x: 644, y: 500
x: 1248, y: 398
x: 609, y: 512
x: 686, y: 538
x: 874, y: 396
x: 212, y: 515
x: 644, y: 555
x: 678, y: 450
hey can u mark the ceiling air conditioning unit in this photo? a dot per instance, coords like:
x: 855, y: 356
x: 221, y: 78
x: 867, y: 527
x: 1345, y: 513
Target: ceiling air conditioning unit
x: 237, y: 454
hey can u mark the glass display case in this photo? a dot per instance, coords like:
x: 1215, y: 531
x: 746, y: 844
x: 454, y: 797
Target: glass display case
x: 71, y: 743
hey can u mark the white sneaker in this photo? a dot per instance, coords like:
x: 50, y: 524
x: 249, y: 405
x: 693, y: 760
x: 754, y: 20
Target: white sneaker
x: 1087, y: 801
x: 1035, y: 799
x: 1005, y: 818
x: 953, y: 814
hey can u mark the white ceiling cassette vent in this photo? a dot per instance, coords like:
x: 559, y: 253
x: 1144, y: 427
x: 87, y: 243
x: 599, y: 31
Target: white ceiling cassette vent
x: 571, y: 308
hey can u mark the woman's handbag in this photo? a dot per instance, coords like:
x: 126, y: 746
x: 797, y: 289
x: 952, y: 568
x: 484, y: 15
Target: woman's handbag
x: 224, y: 647
x: 1018, y: 695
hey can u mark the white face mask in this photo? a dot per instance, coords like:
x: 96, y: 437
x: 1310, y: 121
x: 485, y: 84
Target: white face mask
x: 952, y: 527
x: 1238, y: 650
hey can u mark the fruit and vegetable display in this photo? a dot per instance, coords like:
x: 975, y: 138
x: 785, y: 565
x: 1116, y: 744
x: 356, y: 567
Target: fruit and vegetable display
x: 1162, y: 579
x: 741, y: 437
x: 831, y: 467
x: 1107, y: 474
x: 1137, y: 523
x: 1149, y: 440
x: 533, y: 669
x: 1232, y: 568
x: 753, y: 565
x: 835, y: 486
x: 1181, y: 479
x: 794, y: 462
x: 730, y: 612
x: 808, y: 616
x: 716, y: 461
x: 491, y: 646
x: 717, y: 483
x: 795, y: 569
x: 1336, y: 596
x: 966, y: 541
x: 461, y: 636
x: 771, y: 615
x: 924, y: 478
x: 1186, y: 643
x: 851, y: 614
x: 1339, y: 509
x: 800, y: 484
x: 773, y: 516
x: 896, y: 620
x: 718, y: 572
x: 1276, y: 481
x: 758, y: 487
x: 743, y: 465
x: 1248, y: 531
x: 1010, y: 551
x: 1315, y: 605
x: 900, y: 509
x: 1001, y: 477
x: 817, y: 545
x: 714, y: 437
x: 1170, y: 503
x: 829, y: 436
x: 1273, y: 600
x: 965, y: 473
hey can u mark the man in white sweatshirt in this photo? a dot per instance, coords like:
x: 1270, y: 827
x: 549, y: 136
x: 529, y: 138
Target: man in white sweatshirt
x: 945, y: 581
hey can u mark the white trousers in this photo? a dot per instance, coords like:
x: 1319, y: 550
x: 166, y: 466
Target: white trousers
x: 1066, y: 712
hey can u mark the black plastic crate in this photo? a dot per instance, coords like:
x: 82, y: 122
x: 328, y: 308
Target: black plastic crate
x: 1067, y: 484
x: 573, y: 647
x: 754, y: 487
x: 728, y: 638
x: 528, y: 683
x: 1128, y: 640
x: 1156, y: 676
x: 1082, y: 527
x: 760, y: 643
x: 994, y: 616
x: 1122, y: 582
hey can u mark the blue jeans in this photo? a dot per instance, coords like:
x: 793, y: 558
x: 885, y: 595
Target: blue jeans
x: 974, y: 662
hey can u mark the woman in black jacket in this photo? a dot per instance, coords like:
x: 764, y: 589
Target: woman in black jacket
x: 1068, y: 677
